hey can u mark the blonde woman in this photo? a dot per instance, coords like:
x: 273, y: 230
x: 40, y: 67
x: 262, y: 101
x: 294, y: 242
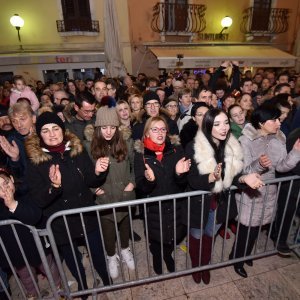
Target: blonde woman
x: 136, y: 104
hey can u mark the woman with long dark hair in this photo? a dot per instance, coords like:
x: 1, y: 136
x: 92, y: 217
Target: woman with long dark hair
x: 108, y: 142
x: 217, y: 163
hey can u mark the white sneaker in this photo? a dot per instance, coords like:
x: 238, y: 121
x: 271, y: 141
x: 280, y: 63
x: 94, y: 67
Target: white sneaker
x: 128, y: 258
x: 113, y: 262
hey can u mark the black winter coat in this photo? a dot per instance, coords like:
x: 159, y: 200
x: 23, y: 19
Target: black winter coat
x: 27, y: 213
x: 188, y: 132
x: 78, y: 175
x: 166, y: 182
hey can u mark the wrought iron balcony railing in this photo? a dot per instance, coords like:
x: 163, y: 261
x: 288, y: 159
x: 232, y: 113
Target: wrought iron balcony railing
x: 77, y: 25
x: 178, y: 18
x: 264, y: 21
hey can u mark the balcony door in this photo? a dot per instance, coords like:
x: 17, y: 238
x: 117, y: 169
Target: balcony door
x: 77, y: 15
x: 176, y: 15
x: 261, y: 15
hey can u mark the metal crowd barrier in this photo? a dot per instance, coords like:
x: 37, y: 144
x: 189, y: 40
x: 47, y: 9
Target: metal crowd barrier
x: 143, y: 272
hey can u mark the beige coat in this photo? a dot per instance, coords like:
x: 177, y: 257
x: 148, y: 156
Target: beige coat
x: 262, y: 202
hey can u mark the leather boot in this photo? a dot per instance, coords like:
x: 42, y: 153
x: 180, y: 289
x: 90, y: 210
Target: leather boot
x: 194, y: 249
x: 206, y: 256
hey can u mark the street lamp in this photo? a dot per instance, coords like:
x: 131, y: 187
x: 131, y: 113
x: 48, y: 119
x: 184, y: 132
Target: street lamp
x: 18, y: 23
x: 226, y: 22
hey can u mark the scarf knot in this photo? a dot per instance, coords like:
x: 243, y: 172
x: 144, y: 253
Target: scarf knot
x: 149, y: 144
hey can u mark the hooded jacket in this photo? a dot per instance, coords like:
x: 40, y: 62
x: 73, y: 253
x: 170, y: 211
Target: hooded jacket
x: 263, y: 200
x: 203, y: 160
x: 78, y: 175
x: 166, y: 182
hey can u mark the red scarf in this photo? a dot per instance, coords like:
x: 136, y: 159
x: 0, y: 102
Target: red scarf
x: 59, y: 148
x: 149, y: 144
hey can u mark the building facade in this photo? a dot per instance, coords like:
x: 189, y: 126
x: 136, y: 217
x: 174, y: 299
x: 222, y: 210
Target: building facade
x: 65, y: 38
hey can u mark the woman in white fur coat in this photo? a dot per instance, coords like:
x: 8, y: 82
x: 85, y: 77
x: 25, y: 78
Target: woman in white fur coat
x: 216, y: 163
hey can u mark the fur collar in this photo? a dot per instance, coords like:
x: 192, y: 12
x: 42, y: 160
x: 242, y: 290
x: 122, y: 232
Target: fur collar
x: 37, y: 155
x: 252, y: 134
x: 206, y: 163
x: 139, y: 145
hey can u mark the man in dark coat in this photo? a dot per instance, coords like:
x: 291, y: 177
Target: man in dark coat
x: 152, y: 108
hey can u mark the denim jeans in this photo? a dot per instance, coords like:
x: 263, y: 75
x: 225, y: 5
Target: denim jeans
x: 208, y: 230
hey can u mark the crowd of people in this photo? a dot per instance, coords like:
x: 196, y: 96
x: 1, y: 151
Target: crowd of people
x: 83, y: 143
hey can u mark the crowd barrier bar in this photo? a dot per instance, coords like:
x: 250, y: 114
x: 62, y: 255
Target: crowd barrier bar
x: 47, y: 234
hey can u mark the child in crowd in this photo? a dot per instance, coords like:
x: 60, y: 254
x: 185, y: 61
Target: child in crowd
x: 20, y: 90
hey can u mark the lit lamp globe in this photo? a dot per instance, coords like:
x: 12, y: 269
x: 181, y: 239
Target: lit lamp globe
x: 226, y: 22
x: 16, y: 21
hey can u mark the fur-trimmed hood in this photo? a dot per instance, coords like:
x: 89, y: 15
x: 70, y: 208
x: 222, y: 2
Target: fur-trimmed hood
x: 139, y: 145
x: 252, y: 134
x: 206, y: 162
x: 89, y: 132
x: 39, y: 155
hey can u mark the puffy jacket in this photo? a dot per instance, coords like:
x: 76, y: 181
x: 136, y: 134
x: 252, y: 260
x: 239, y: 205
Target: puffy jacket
x: 262, y: 201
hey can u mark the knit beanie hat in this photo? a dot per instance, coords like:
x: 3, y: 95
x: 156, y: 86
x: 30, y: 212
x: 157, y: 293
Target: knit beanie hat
x: 107, y: 116
x: 150, y: 96
x: 48, y: 118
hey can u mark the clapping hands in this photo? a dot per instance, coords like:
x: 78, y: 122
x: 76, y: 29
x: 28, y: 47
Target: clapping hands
x: 265, y: 161
x: 102, y: 164
x: 55, y: 175
x: 7, y: 194
x: 253, y: 180
x: 11, y: 149
x: 149, y: 174
x: 183, y: 166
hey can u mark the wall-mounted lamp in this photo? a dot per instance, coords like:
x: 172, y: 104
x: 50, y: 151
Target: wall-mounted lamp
x: 226, y: 23
x: 18, y: 23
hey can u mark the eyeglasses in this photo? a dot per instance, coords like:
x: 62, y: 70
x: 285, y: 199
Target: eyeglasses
x: 172, y: 106
x: 157, y: 130
x: 156, y: 104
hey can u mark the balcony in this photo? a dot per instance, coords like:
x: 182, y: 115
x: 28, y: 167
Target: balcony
x: 77, y: 27
x: 264, y: 22
x: 178, y: 19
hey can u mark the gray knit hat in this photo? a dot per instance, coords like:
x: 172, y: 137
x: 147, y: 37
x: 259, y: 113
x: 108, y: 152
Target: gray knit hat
x: 107, y: 116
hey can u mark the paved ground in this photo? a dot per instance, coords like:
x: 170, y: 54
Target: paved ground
x: 271, y: 277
